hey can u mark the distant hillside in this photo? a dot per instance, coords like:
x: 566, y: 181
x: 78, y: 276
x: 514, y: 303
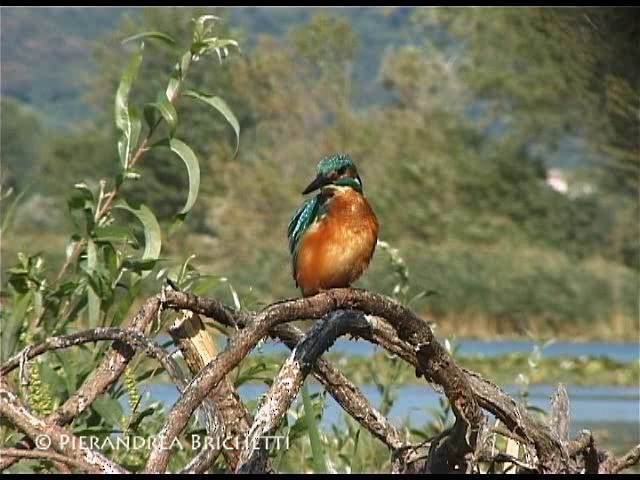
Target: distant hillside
x: 378, y: 29
x: 47, y: 53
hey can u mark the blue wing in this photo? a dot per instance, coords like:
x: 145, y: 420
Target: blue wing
x: 302, y: 219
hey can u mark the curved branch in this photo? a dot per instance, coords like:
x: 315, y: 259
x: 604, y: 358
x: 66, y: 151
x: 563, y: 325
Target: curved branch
x: 107, y: 373
x: 63, y: 442
x: 18, y: 453
x: 289, y: 380
x: 345, y: 392
x: 352, y: 400
x: 433, y: 360
x: 616, y: 465
x: 373, y: 317
x: 133, y: 340
x: 201, y: 462
x: 110, y: 369
x: 549, y: 448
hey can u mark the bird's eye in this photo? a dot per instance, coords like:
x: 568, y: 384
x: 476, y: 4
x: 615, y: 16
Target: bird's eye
x: 342, y: 170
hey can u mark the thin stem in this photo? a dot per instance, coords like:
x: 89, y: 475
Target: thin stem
x: 106, y: 199
x: 70, y: 259
x: 44, y: 455
x: 138, y: 153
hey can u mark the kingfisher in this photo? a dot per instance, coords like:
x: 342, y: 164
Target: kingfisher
x: 333, y: 235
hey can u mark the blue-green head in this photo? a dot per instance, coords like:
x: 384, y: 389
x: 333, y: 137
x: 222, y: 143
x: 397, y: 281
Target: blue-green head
x: 338, y: 170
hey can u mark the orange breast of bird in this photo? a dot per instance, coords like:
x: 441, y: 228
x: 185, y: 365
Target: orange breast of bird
x: 336, y: 250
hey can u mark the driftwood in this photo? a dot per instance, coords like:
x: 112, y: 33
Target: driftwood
x: 190, y: 336
x: 463, y: 448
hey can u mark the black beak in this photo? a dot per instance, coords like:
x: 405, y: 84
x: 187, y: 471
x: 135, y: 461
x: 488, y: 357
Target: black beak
x: 317, y: 183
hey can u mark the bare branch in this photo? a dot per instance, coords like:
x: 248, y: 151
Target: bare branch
x: 110, y: 369
x: 132, y: 339
x: 348, y: 395
x: 433, y: 360
x: 48, y: 455
x: 504, y: 458
x: 353, y: 401
x: 107, y: 373
x: 560, y: 413
x: 63, y: 442
x: 617, y: 465
x: 289, y: 380
x: 190, y: 336
x: 201, y: 462
x: 375, y: 318
x: 492, y: 398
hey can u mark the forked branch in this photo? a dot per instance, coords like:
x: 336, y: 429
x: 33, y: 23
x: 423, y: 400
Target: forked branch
x: 366, y: 315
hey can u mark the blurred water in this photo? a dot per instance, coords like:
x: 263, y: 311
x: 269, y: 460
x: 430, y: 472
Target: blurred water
x: 615, y: 409
x: 604, y: 405
x: 621, y: 352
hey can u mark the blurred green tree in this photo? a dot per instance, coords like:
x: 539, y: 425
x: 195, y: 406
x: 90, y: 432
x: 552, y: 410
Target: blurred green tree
x: 472, y: 107
x: 22, y: 136
x: 534, y: 79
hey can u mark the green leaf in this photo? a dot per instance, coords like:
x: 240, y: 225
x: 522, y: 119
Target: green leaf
x: 201, y: 28
x: 163, y: 37
x: 140, y: 266
x: 84, y: 191
x: 111, y: 257
x: 152, y: 233
x: 218, y: 45
x: 205, y: 283
x: 166, y: 109
x: 178, y: 75
x: 73, y: 314
x: 193, y: 168
x: 216, y: 42
x: 221, y: 106
x: 56, y: 383
x: 354, y: 454
x: 109, y: 409
x: 317, y: 450
x: 185, y: 270
x: 126, y: 142
x: 10, y: 331
x: 9, y: 214
x: 81, y: 207
x: 149, y: 114
x: 138, y: 417
x: 92, y: 296
x: 112, y: 233
x: 256, y: 373
x: 100, y: 282
x: 125, y: 120
x: 124, y: 304
x: 136, y: 127
x: 70, y: 372
x: 176, y: 224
